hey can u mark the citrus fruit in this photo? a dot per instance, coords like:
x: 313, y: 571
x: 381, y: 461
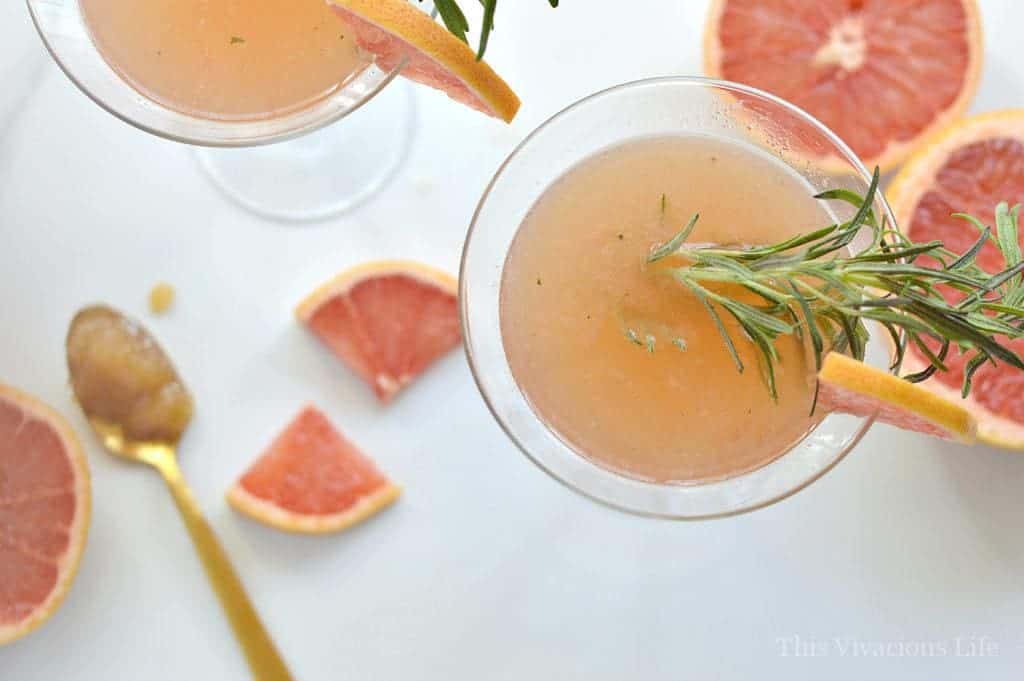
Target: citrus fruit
x: 851, y: 387
x: 880, y: 74
x: 44, y: 512
x: 399, y: 34
x: 388, y: 321
x: 969, y: 168
x: 312, y: 480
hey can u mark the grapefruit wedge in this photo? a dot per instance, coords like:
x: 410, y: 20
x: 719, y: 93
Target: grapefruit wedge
x: 44, y: 512
x: 851, y: 387
x: 312, y: 480
x: 881, y: 74
x: 398, y: 34
x: 968, y: 168
x: 388, y: 321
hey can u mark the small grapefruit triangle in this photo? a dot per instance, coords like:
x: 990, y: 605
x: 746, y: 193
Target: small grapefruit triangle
x: 312, y: 480
x: 388, y: 321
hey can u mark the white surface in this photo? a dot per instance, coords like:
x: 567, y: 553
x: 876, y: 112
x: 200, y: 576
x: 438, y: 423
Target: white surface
x: 486, y: 569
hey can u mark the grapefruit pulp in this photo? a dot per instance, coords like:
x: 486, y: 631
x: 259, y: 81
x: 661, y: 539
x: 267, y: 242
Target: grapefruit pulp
x: 881, y: 74
x: 388, y: 321
x: 968, y: 168
x: 44, y: 512
x: 312, y: 480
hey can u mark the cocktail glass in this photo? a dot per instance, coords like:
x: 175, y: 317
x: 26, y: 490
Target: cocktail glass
x: 290, y: 167
x: 643, y: 109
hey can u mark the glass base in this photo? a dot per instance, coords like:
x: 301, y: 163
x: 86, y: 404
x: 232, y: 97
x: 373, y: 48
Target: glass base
x: 324, y: 173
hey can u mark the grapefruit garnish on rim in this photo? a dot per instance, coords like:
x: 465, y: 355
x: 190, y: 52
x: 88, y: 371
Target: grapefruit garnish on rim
x: 44, y: 512
x: 851, y: 387
x: 399, y: 34
x: 881, y: 74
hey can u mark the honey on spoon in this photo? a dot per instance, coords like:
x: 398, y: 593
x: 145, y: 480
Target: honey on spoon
x: 139, y: 408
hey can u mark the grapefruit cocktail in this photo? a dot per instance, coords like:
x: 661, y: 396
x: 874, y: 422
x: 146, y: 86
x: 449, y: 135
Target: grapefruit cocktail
x: 592, y: 354
x: 628, y: 371
x: 225, y: 59
x: 226, y: 73
x: 671, y: 301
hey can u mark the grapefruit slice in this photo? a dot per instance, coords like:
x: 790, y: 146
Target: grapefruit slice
x: 399, y: 34
x: 44, y: 512
x: 312, y: 480
x: 851, y: 387
x: 881, y: 74
x: 388, y: 321
x: 969, y: 168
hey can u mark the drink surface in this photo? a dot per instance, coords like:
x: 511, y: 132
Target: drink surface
x: 576, y: 283
x: 225, y: 59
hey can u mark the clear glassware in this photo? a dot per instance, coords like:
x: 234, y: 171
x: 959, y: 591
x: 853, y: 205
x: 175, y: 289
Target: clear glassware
x: 656, y: 107
x: 259, y: 163
x: 21, y: 70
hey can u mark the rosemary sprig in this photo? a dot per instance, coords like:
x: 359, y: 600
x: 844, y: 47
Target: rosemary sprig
x: 455, y: 21
x: 815, y: 287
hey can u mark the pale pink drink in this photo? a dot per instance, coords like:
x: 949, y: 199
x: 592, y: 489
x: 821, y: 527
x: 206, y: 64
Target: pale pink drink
x: 225, y: 59
x: 617, y: 357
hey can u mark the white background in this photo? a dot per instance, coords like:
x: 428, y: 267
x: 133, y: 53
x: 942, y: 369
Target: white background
x: 486, y: 569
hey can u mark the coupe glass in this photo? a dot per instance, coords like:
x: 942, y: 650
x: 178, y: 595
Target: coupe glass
x: 275, y: 175
x: 658, y: 107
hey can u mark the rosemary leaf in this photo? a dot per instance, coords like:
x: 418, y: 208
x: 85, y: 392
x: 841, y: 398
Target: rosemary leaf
x: 454, y: 20
x: 673, y: 245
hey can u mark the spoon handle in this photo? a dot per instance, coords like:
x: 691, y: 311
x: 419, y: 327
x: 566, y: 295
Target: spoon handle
x: 265, y: 662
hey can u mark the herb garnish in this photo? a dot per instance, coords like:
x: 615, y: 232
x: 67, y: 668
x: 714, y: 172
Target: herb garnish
x: 458, y: 25
x: 236, y: 40
x: 814, y: 287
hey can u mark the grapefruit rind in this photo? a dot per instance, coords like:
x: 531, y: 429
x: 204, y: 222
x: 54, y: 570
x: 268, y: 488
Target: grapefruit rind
x: 906, y: 191
x: 274, y: 516
x: 895, y: 151
x: 421, y: 33
x: 78, y: 533
x: 869, y: 384
x: 991, y: 429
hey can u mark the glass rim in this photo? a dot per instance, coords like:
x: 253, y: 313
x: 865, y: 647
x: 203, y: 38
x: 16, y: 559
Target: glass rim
x: 289, y: 125
x: 477, y: 370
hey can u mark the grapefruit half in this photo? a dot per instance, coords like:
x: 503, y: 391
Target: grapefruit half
x: 388, y: 321
x: 44, y: 512
x: 881, y: 74
x: 312, y: 480
x: 399, y: 34
x: 968, y: 168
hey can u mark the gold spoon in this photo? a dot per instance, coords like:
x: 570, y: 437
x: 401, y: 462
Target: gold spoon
x: 139, y: 408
